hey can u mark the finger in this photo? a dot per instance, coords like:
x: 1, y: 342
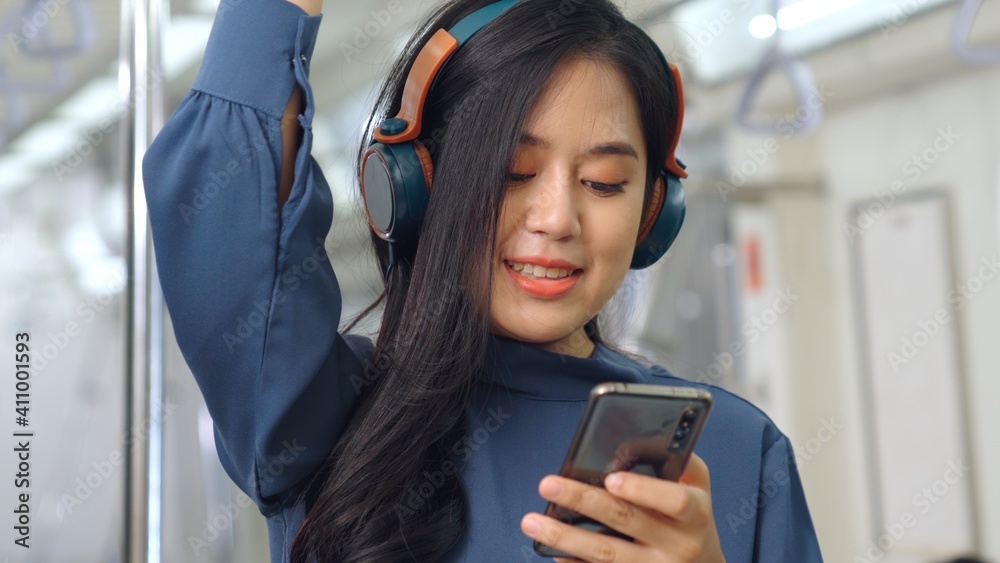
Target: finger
x: 678, y: 501
x: 696, y: 473
x: 600, y: 505
x: 583, y: 544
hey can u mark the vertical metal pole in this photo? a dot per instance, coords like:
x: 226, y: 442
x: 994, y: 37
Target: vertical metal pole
x: 140, y: 84
x: 154, y: 112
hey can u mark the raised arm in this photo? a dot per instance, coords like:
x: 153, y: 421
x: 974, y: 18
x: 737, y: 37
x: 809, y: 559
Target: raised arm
x: 253, y: 300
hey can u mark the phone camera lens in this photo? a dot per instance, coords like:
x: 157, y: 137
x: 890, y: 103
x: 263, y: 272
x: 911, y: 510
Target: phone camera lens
x: 689, y: 415
x: 680, y: 434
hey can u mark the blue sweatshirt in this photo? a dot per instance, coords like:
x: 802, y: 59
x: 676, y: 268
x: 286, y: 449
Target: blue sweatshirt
x: 255, y: 307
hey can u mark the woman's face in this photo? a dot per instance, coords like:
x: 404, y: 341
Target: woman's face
x: 572, y: 209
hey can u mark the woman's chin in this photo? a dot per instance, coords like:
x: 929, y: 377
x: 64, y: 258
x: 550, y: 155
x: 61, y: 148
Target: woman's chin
x: 565, y: 341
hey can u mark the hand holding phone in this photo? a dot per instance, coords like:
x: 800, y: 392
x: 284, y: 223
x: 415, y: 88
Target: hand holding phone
x: 648, y: 429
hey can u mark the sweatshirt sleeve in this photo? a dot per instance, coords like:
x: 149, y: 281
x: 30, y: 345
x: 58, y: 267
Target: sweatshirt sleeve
x: 785, y: 530
x: 254, y: 302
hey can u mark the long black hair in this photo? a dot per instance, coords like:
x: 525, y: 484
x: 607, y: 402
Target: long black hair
x: 435, y: 323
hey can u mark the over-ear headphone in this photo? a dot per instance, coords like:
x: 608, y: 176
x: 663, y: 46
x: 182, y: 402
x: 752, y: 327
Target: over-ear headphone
x: 397, y: 172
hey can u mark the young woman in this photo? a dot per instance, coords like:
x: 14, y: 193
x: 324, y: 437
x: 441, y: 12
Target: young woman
x: 547, y: 131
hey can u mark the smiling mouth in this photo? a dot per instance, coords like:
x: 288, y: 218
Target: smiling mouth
x: 536, y: 272
x: 534, y: 284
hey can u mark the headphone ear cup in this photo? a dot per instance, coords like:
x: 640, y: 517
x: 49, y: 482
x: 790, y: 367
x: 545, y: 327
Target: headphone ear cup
x: 662, y: 222
x: 394, y: 189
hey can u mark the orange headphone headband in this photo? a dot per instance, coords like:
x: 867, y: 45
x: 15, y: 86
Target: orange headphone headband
x: 433, y: 56
x: 418, y: 83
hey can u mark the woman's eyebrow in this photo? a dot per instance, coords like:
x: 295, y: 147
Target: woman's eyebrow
x: 612, y: 148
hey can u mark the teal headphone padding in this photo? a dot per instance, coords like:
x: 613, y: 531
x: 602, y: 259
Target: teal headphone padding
x: 666, y: 227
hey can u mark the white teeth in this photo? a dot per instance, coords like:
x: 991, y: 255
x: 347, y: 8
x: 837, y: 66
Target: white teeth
x: 535, y: 271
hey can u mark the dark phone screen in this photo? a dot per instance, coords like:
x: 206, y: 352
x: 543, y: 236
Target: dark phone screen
x: 630, y: 433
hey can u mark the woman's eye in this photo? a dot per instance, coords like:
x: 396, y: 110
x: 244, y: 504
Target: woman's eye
x: 608, y: 188
x: 513, y: 178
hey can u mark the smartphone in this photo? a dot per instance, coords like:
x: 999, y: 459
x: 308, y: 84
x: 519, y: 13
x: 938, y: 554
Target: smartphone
x: 648, y: 429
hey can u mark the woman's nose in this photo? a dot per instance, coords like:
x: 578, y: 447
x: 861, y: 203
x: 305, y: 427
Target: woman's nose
x: 553, y: 209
